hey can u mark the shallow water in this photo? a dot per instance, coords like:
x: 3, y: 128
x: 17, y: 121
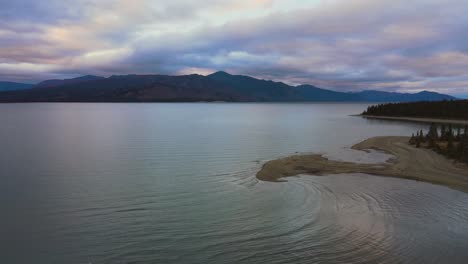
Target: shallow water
x: 175, y: 183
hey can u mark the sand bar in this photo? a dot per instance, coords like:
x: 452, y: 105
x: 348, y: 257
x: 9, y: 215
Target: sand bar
x: 417, y: 119
x: 409, y: 163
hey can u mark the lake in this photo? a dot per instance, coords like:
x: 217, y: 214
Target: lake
x: 175, y: 183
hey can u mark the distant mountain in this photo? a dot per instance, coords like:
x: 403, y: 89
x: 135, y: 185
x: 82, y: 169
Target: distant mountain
x: 312, y: 93
x: 219, y: 86
x: 13, y: 86
x: 56, y: 82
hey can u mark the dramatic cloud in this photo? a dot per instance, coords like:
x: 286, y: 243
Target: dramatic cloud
x: 343, y: 45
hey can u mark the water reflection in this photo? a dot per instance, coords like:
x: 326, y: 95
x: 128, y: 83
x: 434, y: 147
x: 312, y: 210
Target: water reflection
x: 174, y: 183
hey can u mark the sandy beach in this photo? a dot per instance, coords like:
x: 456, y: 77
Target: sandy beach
x: 417, y: 119
x: 408, y: 163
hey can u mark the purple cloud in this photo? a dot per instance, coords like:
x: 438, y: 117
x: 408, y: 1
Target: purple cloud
x: 342, y: 45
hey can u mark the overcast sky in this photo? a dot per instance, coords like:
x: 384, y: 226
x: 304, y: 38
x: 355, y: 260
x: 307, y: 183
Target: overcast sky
x: 347, y: 45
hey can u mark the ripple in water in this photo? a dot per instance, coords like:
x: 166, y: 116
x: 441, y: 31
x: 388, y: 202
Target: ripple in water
x: 338, y: 219
x: 175, y: 183
x: 368, y: 219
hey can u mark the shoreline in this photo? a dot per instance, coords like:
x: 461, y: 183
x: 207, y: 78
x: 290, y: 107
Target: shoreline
x: 408, y: 162
x: 417, y: 119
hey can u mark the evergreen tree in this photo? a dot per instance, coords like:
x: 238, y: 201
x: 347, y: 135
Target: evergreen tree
x: 464, y: 154
x: 460, y: 148
x: 450, y: 149
x: 418, y: 139
x: 429, y: 132
x: 435, y: 133
x: 432, y: 142
x: 432, y: 135
x: 412, y: 140
x: 442, y: 132
x: 421, y: 136
x: 449, y: 131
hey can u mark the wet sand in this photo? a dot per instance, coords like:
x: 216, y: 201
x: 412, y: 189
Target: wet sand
x: 417, y: 119
x: 408, y: 163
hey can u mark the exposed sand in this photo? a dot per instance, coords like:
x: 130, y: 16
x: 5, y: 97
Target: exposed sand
x: 408, y: 163
x: 417, y: 119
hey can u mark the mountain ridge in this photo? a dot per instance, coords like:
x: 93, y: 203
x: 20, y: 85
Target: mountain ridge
x: 60, y: 82
x: 14, y: 86
x: 218, y: 86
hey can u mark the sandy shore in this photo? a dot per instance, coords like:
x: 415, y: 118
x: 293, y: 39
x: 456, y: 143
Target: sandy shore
x: 408, y: 163
x: 416, y: 119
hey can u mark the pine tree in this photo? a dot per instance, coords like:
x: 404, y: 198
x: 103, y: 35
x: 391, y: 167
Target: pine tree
x: 450, y: 149
x: 412, y: 140
x: 432, y: 135
x: 449, y: 131
x: 429, y: 132
x: 418, y: 139
x: 431, y: 141
x: 460, y: 148
x: 433, y: 130
x: 442, y: 132
x: 464, y: 155
x: 421, y: 136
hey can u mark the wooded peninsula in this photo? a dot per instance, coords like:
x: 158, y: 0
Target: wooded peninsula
x: 447, y: 109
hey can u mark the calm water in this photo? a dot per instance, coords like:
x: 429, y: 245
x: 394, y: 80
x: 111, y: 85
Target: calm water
x: 175, y: 183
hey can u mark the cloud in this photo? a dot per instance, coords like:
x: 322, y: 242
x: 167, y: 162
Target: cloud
x: 342, y: 45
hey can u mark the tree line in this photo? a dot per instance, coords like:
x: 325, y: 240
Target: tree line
x: 454, y: 109
x: 446, y: 140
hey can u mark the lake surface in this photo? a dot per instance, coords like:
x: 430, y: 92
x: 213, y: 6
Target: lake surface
x: 175, y: 183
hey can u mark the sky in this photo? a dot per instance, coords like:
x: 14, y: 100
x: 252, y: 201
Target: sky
x: 348, y: 45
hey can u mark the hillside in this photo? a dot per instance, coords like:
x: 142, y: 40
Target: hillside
x: 56, y: 82
x: 13, y: 86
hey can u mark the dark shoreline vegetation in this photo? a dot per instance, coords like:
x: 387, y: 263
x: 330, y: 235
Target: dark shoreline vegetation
x: 219, y: 86
x: 446, y: 109
x: 444, y: 141
x: 449, y: 140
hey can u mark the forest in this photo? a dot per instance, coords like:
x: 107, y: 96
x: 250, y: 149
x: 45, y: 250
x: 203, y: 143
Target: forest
x: 447, y: 109
x: 446, y: 140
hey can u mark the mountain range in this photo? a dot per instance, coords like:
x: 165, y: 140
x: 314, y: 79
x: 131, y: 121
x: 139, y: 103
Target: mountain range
x: 13, y: 86
x: 219, y: 86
